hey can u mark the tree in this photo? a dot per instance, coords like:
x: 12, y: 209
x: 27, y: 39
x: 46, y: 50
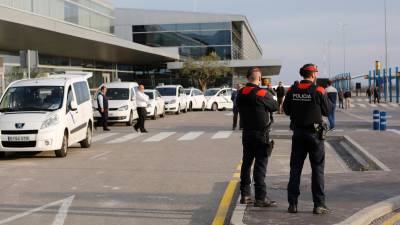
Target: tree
x: 206, y: 69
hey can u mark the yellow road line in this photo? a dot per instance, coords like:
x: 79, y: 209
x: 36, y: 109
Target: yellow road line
x: 392, y: 220
x: 225, y: 203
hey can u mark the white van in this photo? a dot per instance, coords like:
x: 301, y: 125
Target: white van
x: 174, y: 97
x: 47, y: 114
x: 121, y: 102
x: 219, y: 98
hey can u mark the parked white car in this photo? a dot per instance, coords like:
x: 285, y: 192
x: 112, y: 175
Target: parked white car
x: 157, y: 104
x: 175, y: 98
x: 196, y: 99
x: 121, y: 100
x: 47, y: 114
x: 219, y: 99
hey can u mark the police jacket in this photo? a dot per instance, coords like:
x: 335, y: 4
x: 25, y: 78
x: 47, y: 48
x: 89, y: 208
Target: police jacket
x: 306, y: 104
x: 255, y: 106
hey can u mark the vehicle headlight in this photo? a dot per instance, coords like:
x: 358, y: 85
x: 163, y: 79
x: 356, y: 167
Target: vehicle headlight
x: 123, y: 108
x: 50, y: 121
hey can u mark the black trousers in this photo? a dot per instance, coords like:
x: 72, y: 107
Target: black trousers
x: 142, y: 113
x: 104, y: 119
x: 376, y: 99
x: 307, y: 142
x: 254, y: 150
x: 236, y: 117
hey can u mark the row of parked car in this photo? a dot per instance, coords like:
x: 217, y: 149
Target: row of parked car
x: 163, y: 99
x: 56, y: 112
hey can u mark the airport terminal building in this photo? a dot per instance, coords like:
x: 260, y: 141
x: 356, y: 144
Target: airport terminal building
x: 147, y: 46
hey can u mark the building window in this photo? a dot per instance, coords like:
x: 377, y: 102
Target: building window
x: 71, y: 13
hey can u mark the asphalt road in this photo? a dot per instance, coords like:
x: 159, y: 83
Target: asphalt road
x: 176, y: 174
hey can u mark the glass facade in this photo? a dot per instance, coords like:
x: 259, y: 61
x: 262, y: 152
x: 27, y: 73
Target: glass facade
x: 86, y: 13
x: 193, y: 39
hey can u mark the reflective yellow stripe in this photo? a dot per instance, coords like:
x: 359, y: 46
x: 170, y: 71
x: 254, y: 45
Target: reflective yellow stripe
x: 225, y: 203
x: 392, y: 220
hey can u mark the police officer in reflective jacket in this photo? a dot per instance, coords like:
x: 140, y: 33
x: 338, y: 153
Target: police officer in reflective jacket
x: 255, y: 106
x: 306, y: 104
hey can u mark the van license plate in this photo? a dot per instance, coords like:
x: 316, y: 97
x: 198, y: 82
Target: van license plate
x: 18, y: 138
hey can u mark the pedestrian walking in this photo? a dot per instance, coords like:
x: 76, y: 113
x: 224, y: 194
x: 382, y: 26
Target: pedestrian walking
x: 377, y: 95
x: 347, y: 97
x: 102, y: 107
x: 368, y: 93
x: 142, y: 100
x: 306, y: 104
x: 332, y: 97
x: 255, y: 108
x: 235, y: 109
x: 341, y: 98
x: 280, y: 93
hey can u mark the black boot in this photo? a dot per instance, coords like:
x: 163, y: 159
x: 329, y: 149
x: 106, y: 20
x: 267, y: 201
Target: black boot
x: 322, y: 209
x: 265, y: 203
x: 292, y: 208
x: 246, y: 200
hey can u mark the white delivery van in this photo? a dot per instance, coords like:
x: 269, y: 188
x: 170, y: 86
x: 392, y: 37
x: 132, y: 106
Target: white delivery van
x: 219, y: 98
x: 47, y: 114
x: 121, y: 102
x: 174, y: 97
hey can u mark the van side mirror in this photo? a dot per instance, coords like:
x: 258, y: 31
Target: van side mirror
x: 73, y: 106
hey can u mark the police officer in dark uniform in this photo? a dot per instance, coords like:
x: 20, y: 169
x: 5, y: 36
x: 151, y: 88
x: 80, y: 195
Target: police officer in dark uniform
x: 255, y: 106
x: 306, y: 103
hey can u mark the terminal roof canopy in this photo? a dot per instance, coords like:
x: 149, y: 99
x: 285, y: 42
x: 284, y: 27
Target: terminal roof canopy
x: 20, y: 30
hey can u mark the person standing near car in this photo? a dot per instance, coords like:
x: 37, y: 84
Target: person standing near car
x: 347, y: 98
x: 235, y: 109
x: 332, y: 96
x: 280, y: 93
x: 255, y: 106
x: 102, y: 106
x: 142, y: 100
x: 306, y: 104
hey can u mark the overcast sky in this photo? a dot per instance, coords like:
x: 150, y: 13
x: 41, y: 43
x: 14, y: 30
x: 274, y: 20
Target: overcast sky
x: 298, y: 31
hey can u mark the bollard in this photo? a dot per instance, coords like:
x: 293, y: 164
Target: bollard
x: 376, y: 120
x: 383, y: 119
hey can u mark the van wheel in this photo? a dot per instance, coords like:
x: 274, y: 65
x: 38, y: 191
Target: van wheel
x: 154, y: 117
x: 88, y: 140
x: 179, y: 110
x: 130, y: 122
x: 61, y: 153
x: 3, y: 155
x: 214, y: 107
x: 190, y: 106
x: 203, y: 106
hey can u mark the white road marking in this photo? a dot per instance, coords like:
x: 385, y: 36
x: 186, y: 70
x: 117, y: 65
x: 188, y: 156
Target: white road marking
x: 159, y: 137
x: 280, y: 131
x: 100, y: 155
x: 191, y: 136
x: 373, y: 105
x: 396, y: 105
x: 229, y: 114
x: 102, y: 136
x: 125, y: 138
x: 362, y: 105
x: 359, y: 100
x: 352, y: 105
x: 362, y: 130
x: 394, y: 131
x: 222, y: 135
x: 384, y: 105
x: 63, y: 211
x: 58, y: 220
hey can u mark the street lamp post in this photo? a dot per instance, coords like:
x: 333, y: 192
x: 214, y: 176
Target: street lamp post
x: 386, y: 52
x: 343, y: 25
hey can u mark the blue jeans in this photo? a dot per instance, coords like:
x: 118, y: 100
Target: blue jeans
x: 331, y: 118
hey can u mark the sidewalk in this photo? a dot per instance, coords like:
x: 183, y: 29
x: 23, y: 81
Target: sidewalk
x: 347, y: 191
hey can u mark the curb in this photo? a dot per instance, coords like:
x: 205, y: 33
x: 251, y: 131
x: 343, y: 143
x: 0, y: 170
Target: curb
x: 373, y: 212
x: 238, y: 214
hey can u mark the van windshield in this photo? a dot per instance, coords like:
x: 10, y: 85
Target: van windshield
x: 167, y: 91
x: 32, y: 98
x: 118, y: 93
x: 150, y: 94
